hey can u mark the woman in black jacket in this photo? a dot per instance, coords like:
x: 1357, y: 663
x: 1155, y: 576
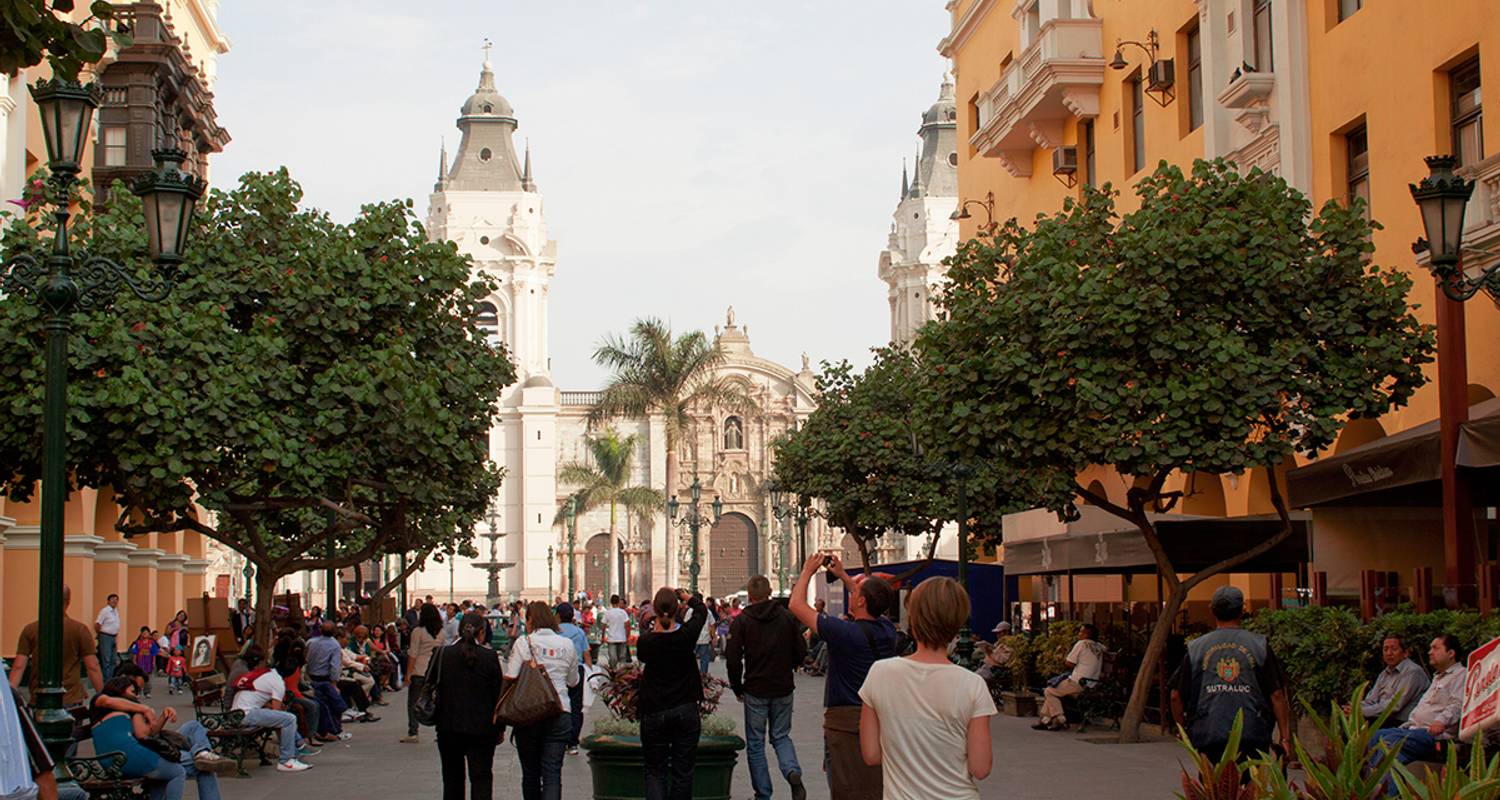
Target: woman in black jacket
x: 468, y: 688
x: 671, y: 689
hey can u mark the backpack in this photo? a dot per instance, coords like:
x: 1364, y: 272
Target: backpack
x: 247, y: 681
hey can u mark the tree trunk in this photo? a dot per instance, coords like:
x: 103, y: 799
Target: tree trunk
x: 1145, y: 677
x: 411, y: 569
x: 670, y: 534
x: 265, y: 600
x: 611, y: 571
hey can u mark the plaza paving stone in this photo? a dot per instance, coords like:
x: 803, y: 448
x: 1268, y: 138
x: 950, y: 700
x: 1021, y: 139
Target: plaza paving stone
x: 1028, y: 764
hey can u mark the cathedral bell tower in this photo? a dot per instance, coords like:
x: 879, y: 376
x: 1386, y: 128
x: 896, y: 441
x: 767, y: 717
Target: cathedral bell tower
x: 487, y: 204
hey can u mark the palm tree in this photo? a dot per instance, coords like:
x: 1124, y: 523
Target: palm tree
x: 602, y: 480
x: 656, y: 373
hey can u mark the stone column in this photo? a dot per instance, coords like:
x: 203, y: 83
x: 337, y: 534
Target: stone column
x: 23, y: 545
x: 112, y: 576
x: 141, y: 590
x: 78, y: 574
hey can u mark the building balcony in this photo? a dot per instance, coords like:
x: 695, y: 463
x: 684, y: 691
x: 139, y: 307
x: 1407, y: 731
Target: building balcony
x: 1482, y: 218
x: 1055, y: 78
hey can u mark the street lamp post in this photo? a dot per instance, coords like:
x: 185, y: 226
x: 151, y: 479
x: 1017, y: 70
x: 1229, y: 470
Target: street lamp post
x: 62, y: 284
x: 783, y: 510
x: 694, y: 520
x: 572, y: 546
x: 249, y: 583
x: 1443, y: 198
x: 549, y: 573
x: 964, y: 649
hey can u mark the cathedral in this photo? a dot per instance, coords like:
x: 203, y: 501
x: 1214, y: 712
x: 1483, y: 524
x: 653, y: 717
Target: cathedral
x: 487, y: 202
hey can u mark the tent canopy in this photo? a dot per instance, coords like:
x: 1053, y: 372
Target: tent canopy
x: 1192, y: 543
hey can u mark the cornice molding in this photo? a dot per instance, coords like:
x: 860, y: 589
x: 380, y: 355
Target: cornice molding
x: 145, y: 557
x: 195, y: 566
x: 23, y: 537
x: 81, y: 546
x: 965, y: 27
x: 108, y: 552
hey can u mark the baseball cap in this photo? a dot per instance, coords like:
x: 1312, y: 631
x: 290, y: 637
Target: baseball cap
x: 1228, y: 602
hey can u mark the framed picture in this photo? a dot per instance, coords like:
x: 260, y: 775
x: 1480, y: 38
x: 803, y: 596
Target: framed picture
x: 202, y: 658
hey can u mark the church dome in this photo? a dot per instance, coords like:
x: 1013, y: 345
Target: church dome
x: 487, y: 100
x: 538, y: 382
x: 946, y: 107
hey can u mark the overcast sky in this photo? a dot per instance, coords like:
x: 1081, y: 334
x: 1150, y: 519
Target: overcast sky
x: 692, y: 155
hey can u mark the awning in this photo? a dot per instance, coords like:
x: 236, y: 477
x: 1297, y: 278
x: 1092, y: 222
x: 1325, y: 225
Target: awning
x: 1404, y: 469
x: 1192, y: 543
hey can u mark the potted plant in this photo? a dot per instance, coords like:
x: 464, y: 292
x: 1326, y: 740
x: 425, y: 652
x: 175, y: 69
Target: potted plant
x: 616, y: 759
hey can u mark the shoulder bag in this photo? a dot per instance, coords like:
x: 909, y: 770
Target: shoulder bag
x: 425, y: 707
x: 530, y: 697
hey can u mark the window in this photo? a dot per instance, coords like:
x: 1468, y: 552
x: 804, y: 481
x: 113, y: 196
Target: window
x: 1086, y: 138
x: 485, y: 154
x: 1195, y: 78
x: 487, y: 318
x: 1357, y: 146
x: 1137, y: 123
x: 1261, y: 27
x: 115, y: 150
x: 1348, y: 7
x: 1468, y: 118
x: 734, y: 434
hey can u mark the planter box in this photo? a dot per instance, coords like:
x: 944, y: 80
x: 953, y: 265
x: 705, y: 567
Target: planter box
x: 1018, y: 704
x: 618, y: 768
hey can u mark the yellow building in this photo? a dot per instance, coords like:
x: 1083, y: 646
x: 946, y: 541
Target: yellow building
x: 160, y: 86
x: 1339, y: 97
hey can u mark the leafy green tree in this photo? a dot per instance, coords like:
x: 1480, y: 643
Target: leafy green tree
x: 312, y: 394
x: 1220, y: 327
x: 32, y: 30
x: 604, y: 480
x: 864, y: 455
x: 655, y: 373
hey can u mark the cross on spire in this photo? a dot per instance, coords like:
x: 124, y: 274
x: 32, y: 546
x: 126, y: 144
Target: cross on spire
x: 487, y: 46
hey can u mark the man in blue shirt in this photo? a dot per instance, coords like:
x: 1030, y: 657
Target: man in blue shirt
x: 853, y: 646
x: 580, y: 641
x: 325, y: 662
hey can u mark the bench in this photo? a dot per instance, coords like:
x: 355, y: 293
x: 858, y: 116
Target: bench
x: 1103, y: 698
x: 226, y: 726
x: 102, y: 778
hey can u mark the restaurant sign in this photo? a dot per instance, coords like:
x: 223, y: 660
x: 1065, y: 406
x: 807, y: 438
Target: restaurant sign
x: 1481, y: 692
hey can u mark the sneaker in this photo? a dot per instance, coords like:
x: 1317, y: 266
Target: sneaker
x: 209, y: 761
x: 350, y: 715
x: 292, y: 766
x: 572, y: 751
x: 410, y: 739
x: 799, y: 792
x: 307, y: 752
x: 345, y: 736
x: 368, y: 717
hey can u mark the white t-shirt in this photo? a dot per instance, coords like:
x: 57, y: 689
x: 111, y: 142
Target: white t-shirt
x: 555, y: 653
x: 706, y: 630
x: 1087, y: 660
x: 615, y: 620
x: 268, y: 687
x: 924, y: 726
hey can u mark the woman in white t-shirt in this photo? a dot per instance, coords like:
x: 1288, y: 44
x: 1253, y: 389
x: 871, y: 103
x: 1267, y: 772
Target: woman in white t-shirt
x: 926, y: 721
x: 541, y: 745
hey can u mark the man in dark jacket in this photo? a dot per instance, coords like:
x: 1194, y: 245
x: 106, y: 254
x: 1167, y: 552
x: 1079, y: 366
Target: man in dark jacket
x: 765, y: 648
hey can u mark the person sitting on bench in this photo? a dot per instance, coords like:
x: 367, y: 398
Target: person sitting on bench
x: 1086, y: 660
x: 1435, y: 718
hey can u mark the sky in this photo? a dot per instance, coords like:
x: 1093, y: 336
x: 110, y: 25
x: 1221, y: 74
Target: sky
x: 691, y: 155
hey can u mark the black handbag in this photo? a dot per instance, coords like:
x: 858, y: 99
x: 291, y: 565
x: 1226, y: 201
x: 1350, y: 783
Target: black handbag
x: 170, y: 745
x: 425, y: 707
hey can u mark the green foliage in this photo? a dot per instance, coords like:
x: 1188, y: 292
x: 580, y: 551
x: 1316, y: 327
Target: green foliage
x: 307, y: 381
x: 712, y: 725
x: 1218, y: 328
x: 1418, y: 630
x: 1321, y: 650
x: 1216, y: 780
x: 1022, y: 663
x: 1341, y: 771
x: 1480, y: 780
x: 31, y: 30
x: 865, y: 455
x: 604, y: 480
x: 1052, y: 647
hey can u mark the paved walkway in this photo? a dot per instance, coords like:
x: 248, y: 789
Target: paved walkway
x: 1028, y: 764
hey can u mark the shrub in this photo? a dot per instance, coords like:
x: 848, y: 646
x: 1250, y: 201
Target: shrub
x: 620, y: 688
x: 1323, y: 651
x: 713, y: 725
x: 1051, y: 648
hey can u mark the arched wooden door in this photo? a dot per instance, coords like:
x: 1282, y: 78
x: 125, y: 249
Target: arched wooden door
x: 596, y: 564
x: 733, y: 552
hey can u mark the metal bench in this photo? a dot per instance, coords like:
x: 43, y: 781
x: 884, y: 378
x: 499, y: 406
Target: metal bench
x: 102, y: 778
x: 1103, y: 698
x: 226, y: 726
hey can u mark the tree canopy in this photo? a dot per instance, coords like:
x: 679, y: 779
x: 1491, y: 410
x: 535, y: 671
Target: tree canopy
x: 33, y: 30
x: 1222, y: 326
x: 319, y: 387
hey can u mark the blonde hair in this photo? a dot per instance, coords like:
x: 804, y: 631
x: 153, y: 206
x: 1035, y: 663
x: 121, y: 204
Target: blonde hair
x: 937, y: 608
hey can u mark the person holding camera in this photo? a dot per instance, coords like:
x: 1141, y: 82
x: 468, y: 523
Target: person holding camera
x: 671, y: 690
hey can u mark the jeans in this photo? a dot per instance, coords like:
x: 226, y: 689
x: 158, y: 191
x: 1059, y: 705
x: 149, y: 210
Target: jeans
x: 328, y: 696
x: 669, y: 739
x: 108, y: 655
x: 1412, y: 744
x: 412, y: 693
x: 619, y: 653
x: 778, y: 712
x: 705, y: 654
x: 286, y: 724
x: 459, y: 750
x: 541, y: 748
x: 208, y: 783
x: 165, y: 781
x: 575, y: 703
x: 312, y: 713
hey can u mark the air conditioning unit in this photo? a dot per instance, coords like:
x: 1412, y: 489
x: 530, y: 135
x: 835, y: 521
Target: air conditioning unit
x: 1160, y: 76
x: 1065, y: 161
x: 1065, y: 165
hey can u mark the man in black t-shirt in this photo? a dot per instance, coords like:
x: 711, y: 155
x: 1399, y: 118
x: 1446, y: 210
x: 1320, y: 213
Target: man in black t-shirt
x: 1226, y: 672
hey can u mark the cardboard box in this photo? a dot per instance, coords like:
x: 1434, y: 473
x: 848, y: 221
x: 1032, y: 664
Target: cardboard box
x: 208, y: 613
